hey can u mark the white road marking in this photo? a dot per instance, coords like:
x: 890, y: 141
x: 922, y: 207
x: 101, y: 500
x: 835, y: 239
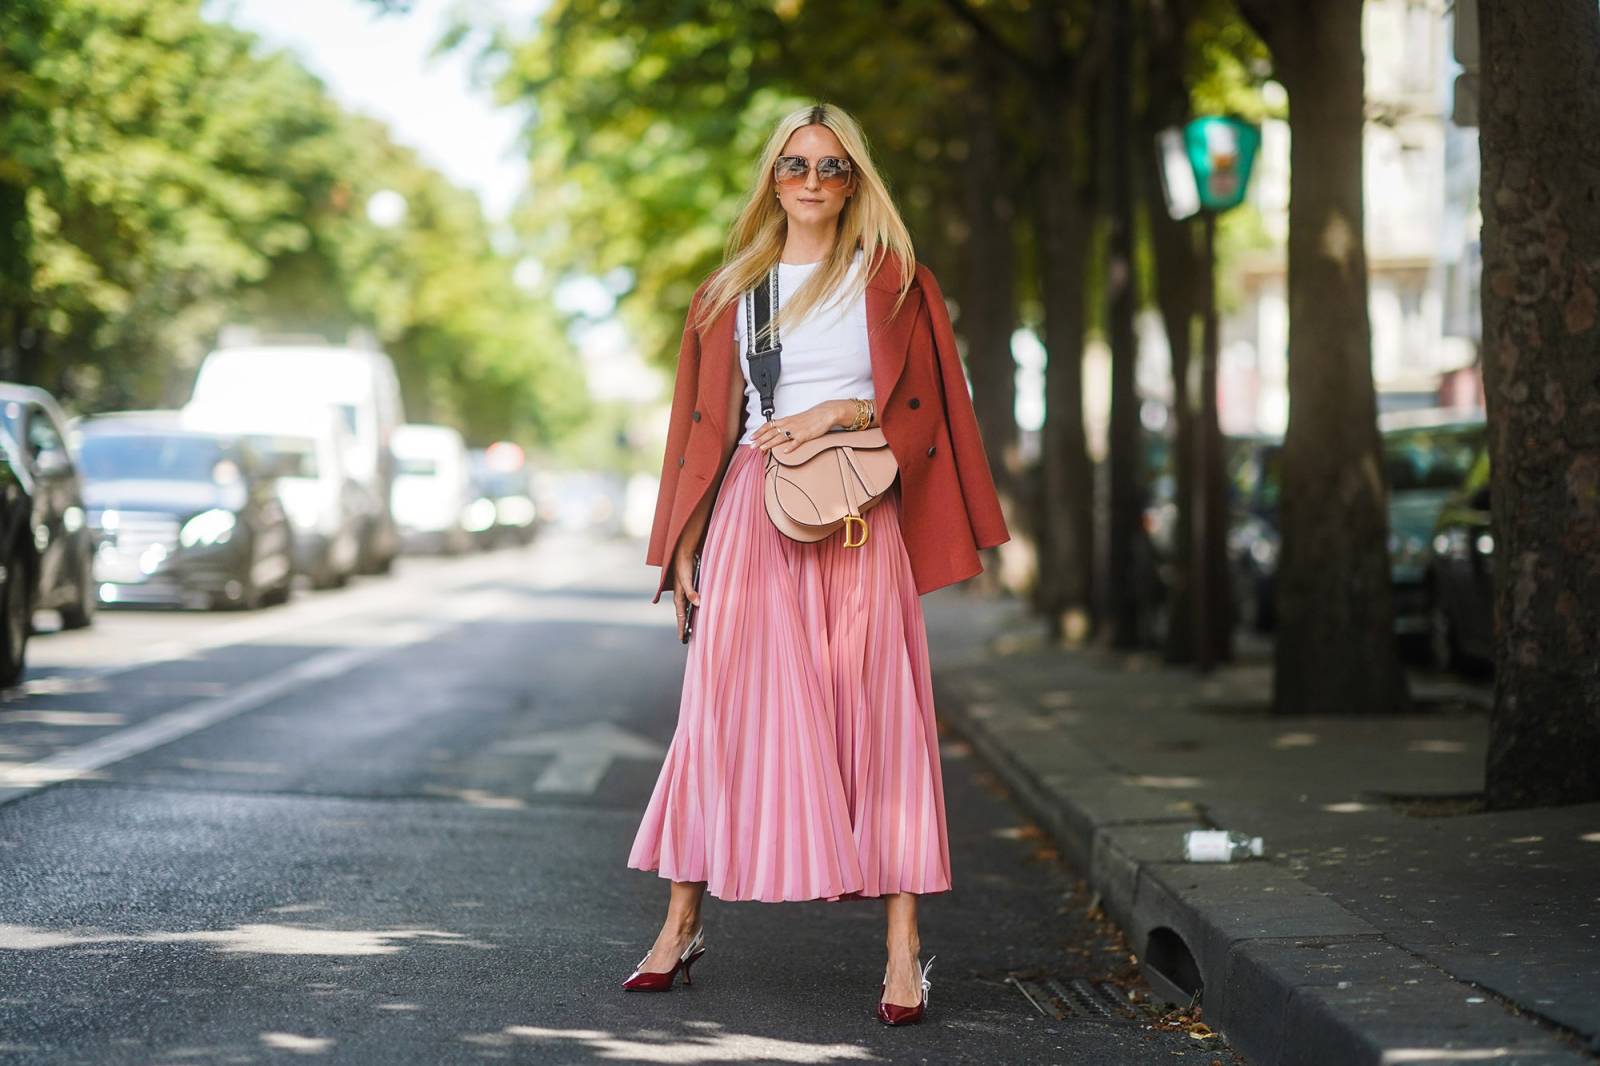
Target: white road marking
x: 75, y: 762
x: 17, y: 780
x: 582, y: 755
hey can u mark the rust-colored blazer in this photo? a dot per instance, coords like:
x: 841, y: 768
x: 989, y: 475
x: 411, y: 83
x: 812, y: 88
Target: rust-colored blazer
x: 948, y: 505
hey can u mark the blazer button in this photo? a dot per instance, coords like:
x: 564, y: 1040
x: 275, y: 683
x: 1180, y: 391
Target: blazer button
x: 930, y: 449
x: 915, y: 403
x: 696, y: 416
x: 680, y: 459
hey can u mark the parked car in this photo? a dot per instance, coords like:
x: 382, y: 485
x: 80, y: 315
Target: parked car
x: 309, y: 448
x: 1460, y: 574
x: 182, y: 516
x: 502, y: 477
x: 360, y: 384
x: 479, y: 518
x: 63, y: 542
x: 1253, y: 467
x: 18, y: 560
x: 432, y: 488
x: 1427, y: 455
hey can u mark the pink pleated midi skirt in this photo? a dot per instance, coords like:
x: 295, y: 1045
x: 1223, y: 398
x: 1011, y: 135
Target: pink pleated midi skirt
x: 805, y: 763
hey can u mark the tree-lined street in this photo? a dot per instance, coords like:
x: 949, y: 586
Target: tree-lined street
x: 1279, y: 323
x: 389, y: 826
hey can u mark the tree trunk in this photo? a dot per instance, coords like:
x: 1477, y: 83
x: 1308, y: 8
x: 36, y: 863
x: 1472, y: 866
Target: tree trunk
x: 16, y: 279
x: 1175, y: 266
x: 1066, y: 499
x: 988, y: 294
x: 1335, y: 651
x: 1541, y: 258
x: 1125, y: 451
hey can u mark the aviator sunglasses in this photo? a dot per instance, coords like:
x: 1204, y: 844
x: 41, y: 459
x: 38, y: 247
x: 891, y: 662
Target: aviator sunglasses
x: 791, y: 170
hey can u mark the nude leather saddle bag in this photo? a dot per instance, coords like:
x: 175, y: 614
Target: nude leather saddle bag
x: 824, y: 484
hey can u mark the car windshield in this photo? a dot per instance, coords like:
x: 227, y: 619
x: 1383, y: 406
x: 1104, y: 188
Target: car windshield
x: 347, y: 411
x: 1430, y: 457
x: 152, y: 457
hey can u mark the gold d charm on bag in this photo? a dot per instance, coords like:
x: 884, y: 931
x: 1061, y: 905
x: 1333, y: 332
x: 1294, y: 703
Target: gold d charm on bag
x: 848, y: 541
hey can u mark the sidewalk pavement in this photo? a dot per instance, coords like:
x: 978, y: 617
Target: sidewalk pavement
x: 1392, y: 920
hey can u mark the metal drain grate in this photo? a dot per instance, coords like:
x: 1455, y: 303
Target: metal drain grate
x: 1077, y: 999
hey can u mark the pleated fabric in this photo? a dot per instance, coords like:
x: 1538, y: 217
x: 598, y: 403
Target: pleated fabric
x: 805, y: 762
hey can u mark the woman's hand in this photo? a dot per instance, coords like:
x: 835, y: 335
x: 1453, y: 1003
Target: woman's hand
x: 683, y: 590
x: 812, y: 422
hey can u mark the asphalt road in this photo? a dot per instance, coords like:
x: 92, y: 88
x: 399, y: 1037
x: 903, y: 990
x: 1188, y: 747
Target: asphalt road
x: 389, y: 824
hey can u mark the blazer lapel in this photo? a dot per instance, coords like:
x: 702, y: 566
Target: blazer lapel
x: 889, y: 338
x: 887, y: 341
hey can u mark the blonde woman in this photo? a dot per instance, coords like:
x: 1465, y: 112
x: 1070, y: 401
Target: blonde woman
x: 805, y: 763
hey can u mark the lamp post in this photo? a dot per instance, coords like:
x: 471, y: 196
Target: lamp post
x: 1205, y: 170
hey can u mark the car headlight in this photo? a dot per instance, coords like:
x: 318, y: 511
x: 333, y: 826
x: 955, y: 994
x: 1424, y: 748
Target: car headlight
x: 208, y: 527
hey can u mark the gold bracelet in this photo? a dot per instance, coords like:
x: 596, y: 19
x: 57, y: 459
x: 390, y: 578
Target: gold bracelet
x: 861, y: 419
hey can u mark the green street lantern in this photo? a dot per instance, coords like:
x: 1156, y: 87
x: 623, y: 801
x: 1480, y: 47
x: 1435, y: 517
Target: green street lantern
x: 1221, y: 150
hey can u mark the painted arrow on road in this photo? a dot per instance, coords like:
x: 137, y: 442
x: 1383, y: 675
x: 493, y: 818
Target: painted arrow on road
x: 582, y: 755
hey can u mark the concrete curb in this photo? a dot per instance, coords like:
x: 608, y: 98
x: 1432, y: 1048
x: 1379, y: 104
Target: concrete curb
x: 1286, y: 974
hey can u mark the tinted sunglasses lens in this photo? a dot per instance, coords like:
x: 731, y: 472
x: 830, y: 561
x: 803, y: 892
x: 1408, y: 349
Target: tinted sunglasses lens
x: 790, y: 170
x: 833, y: 173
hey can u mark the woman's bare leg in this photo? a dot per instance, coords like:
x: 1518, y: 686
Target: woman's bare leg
x: 903, y: 978
x: 683, y: 918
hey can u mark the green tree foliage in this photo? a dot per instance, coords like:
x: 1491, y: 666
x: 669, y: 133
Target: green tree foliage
x: 176, y: 176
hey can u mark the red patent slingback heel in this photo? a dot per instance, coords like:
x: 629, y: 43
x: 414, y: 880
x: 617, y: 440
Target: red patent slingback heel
x: 895, y: 1014
x: 648, y: 981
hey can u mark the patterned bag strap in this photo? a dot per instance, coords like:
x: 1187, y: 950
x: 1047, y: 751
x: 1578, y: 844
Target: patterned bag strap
x: 764, y: 364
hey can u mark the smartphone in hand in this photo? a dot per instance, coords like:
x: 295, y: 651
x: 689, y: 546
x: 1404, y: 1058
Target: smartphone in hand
x: 688, y: 609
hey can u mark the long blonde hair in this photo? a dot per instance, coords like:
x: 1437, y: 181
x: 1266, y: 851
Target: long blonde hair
x: 867, y: 221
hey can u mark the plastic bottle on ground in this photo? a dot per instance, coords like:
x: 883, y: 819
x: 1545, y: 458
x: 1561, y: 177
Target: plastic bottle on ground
x: 1219, y: 845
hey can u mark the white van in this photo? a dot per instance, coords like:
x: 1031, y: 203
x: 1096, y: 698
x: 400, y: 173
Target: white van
x: 360, y: 384
x: 309, y: 450
x: 432, y: 488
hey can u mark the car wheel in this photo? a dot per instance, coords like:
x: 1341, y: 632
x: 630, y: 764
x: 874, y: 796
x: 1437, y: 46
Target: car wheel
x: 279, y: 594
x: 80, y: 612
x: 371, y: 563
x: 277, y: 597
x: 327, y: 576
x: 14, y: 625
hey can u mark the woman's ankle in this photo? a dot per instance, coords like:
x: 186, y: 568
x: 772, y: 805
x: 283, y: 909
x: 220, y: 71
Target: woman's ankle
x: 911, y: 945
x: 684, y: 925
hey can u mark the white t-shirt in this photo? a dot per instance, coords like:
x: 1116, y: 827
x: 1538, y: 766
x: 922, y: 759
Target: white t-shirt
x: 825, y: 355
